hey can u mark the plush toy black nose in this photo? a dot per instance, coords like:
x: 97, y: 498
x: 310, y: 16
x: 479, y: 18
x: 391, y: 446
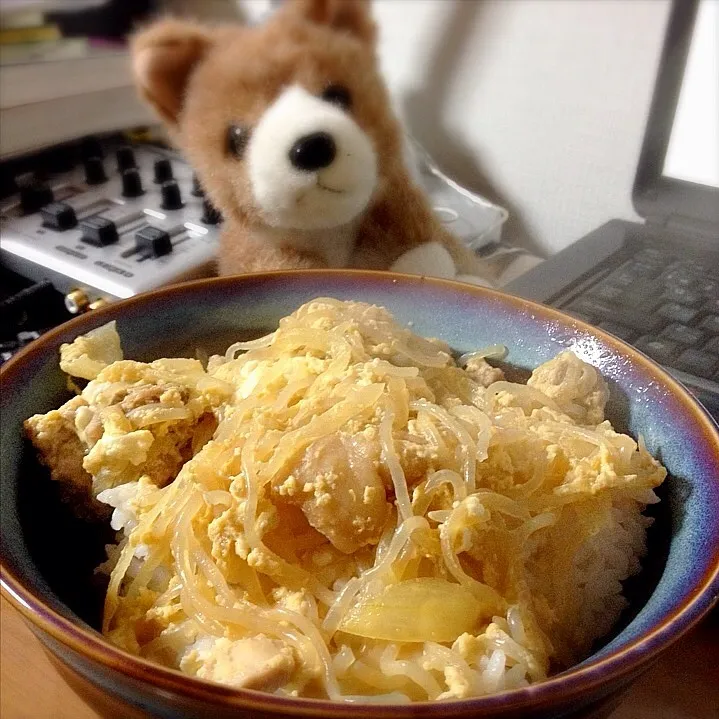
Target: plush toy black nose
x: 313, y: 152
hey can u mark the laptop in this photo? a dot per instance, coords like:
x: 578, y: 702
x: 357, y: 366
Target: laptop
x: 655, y: 284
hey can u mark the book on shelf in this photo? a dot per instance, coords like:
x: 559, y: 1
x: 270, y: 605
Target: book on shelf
x: 55, y: 88
x: 93, y: 68
x: 43, y: 103
x: 62, y: 49
x: 31, y: 34
x: 30, y: 127
x: 20, y: 18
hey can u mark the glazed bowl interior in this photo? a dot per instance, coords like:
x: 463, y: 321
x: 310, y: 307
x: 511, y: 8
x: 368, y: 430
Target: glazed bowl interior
x: 48, y: 557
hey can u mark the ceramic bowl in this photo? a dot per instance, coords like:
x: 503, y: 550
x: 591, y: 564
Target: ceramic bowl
x: 41, y: 555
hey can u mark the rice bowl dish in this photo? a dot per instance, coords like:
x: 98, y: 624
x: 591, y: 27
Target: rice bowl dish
x: 340, y: 509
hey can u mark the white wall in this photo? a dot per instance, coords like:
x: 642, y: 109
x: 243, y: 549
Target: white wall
x: 540, y: 104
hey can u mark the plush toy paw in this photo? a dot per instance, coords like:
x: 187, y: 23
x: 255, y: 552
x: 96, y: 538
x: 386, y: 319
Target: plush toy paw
x: 433, y: 259
x: 475, y: 280
x: 430, y: 259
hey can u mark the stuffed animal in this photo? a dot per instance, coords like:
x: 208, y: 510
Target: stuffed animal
x: 290, y: 129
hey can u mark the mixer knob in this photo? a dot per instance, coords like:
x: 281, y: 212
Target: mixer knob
x: 125, y: 158
x: 197, y: 190
x: 91, y: 147
x: 210, y: 215
x: 171, y: 196
x: 58, y: 216
x: 132, y: 183
x: 60, y: 159
x: 153, y: 241
x: 94, y: 171
x: 163, y: 171
x: 34, y: 195
x: 8, y: 184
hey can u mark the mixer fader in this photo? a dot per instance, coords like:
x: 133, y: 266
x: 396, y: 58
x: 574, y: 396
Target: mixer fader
x: 123, y: 220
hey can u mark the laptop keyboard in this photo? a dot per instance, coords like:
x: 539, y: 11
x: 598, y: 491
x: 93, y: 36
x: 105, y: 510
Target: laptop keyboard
x: 665, y: 305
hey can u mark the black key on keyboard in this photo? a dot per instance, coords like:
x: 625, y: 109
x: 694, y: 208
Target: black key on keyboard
x: 696, y: 267
x: 638, y: 320
x: 707, y: 287
x: 682, y: 294
x: 646, y: 270
x: 696, y: 362
x: 678, y: 313
x: 624, y: 333
x: 630, y: 272
x: 579, y: 316
x: 587, y: 308
x: 682, y: 275
x: 710, y: 324
x: 643, y: 293
x: 711, y: 307
x: 660, y: 349
x: 712, y: 346
x: 622, y: 277
x: 653, y: 256
x: 606, y: 291
x: 682, y: 334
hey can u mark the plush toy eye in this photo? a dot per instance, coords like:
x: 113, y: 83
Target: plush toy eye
x: 338, y: 95
x: 237, y: 139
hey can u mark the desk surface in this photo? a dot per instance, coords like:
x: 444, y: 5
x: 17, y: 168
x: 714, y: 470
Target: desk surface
x: 684, y: 684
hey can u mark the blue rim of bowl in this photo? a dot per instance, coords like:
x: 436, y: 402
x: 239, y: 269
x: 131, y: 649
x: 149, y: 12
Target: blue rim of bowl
x: 622, y: 663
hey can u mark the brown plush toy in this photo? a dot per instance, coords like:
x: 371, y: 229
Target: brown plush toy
x: 290, y: 129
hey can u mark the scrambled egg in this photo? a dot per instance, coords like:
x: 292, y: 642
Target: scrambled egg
x: 91, y: 353
x: 131, y: 420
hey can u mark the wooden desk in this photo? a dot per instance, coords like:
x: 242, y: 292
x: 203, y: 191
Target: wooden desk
x: 684, y: 684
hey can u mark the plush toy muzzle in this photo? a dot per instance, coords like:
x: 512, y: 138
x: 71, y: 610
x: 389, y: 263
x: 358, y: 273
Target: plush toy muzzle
x: 310, y: 165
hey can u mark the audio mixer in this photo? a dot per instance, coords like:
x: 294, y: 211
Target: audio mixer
x: 123, y: 220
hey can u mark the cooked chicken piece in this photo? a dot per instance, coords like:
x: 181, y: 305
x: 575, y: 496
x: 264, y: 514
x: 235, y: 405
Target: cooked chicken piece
x: 337, y: 485
x: 132, y: 420
x: 253, y: 663
x: 576, y: 387
x: 61, y: 450
x: 482, y: 372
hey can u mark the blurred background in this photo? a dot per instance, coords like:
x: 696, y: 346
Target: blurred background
x: 514, y: 99
x: 573, y: 144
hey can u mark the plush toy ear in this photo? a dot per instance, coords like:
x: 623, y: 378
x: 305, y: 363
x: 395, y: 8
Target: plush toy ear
x: 350, y: 16
x: 163, y: 58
